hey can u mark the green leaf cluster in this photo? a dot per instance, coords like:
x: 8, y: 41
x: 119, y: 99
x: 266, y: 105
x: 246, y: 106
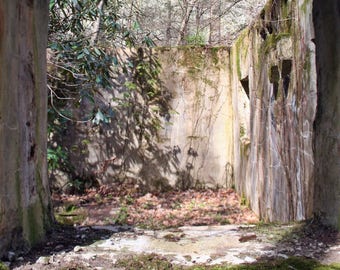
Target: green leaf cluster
x: 93, y: 54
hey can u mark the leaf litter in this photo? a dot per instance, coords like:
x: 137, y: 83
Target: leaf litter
x: 109, y: 205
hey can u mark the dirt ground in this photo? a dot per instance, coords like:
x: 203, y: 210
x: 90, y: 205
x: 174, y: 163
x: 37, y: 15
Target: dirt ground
x: 99, y: 227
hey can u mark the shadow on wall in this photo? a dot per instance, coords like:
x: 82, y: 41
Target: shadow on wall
x: 121, y: 141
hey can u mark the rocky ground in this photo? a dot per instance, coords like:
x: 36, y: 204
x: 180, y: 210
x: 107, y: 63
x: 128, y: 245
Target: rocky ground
x: 104, y: 227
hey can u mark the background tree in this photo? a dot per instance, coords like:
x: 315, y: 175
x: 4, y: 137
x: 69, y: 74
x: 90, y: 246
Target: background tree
x: 101, y: 73
x: 25, y: 212
x: 196, y: 22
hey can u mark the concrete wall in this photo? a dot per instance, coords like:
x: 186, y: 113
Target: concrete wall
x: 274, y: 63
x: 193, y: 144
x: 200, y: 132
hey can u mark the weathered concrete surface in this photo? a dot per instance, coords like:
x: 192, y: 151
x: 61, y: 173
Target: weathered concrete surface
x: 24, y: 198
x: 187, y: 246
x: 326, y: 16
x: 205, y: 244
x: 200, y: 132
x: 274, y: 62
x: 194, y: 145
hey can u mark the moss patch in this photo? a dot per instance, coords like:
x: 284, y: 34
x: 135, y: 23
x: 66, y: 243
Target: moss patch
x: 272, y: 40
x: 33, y: 223
x: 153, y: 261
x: 70, y: 215
x: 240, y: 51
x: 3, y: 266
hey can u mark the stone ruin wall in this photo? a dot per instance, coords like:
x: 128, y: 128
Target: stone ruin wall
x: 192, y: 149
x: 273, y: 64
x: 244, y: 117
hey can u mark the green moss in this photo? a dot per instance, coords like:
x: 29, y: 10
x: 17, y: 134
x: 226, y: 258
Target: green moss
x: 195, y: 58
x: 162, y: 49
x: 304, y: 6
x: 286, y: 14
x: 153, y: 261
x: 192, y: 58
x: 307, y: 64
x: 215, y: 54
x: 240, y: 51
x: 70, y: 215
x: 272, y: 40
x: 244, y: 201
x: 33, y: 223
x: 18, y: 192
x: 149, y: 261
x: 242, y: 131
x: 192, y: 137
x: 268, y: 6
x: 3, y: 266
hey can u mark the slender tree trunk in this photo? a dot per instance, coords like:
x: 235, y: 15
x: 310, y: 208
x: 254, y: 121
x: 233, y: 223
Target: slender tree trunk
x: 25, y: 210
x: 219, y: 22
x: 169, y: 22
x: 211, y: 25
x: 97, y: 23
x: 188, y: 8
x: 198, y: 18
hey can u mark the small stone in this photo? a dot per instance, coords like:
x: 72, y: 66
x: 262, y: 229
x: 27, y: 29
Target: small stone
x: 77, y: 248
x: 284, y: 256
x: 248, y: 237
x: 20, y: 259
x: 83, y: 236
x: 83, y: 229
x: 52, y: 259
x: 249, y: 260
x: 11, y: 256
x: 43, y: 260
x: 59, y: 247
x: 187, y: 258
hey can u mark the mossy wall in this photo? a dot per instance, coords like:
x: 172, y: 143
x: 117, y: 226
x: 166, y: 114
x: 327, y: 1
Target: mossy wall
x: 25, y: 212
x: 273, y: 63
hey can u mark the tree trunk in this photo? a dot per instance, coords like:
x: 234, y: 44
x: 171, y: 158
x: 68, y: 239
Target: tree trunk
x: 97, y: 23
x: 25, y: 210
x: 169, y: 22
x: 188, y: 8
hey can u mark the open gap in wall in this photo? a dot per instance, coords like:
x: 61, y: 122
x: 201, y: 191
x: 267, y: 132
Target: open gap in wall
x: 285, y: 74
x: 274, y: 78
x: 262, y: 31
x: 263, y: 34
x: 245, y: 85
x: 274, y: 16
